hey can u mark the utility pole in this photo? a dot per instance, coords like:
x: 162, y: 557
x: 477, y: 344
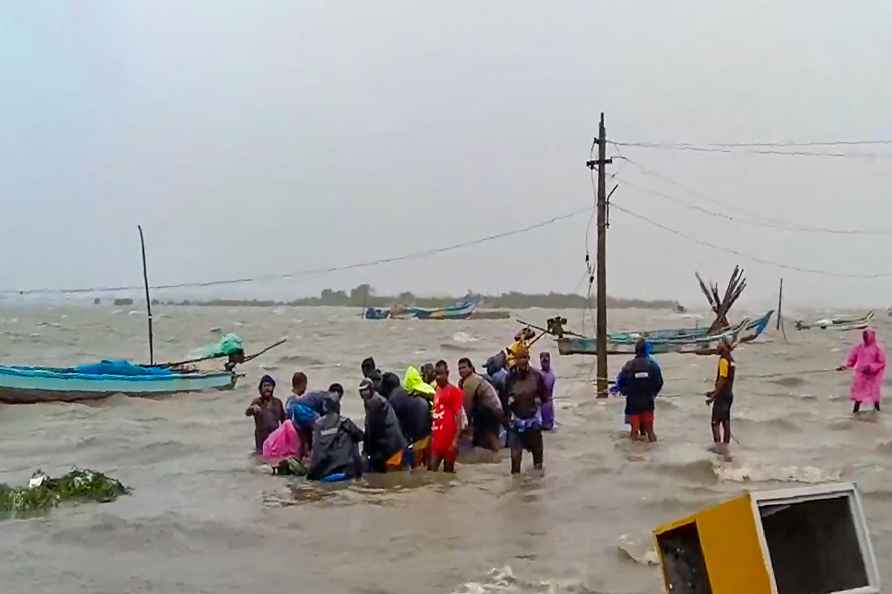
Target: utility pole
x: 601, y: 337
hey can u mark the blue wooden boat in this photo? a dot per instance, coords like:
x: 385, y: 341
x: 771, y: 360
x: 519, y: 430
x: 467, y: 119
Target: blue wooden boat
x: 752, y: 331
x: 22, y: 385
x: 457, y: 311
x: 698, y: 345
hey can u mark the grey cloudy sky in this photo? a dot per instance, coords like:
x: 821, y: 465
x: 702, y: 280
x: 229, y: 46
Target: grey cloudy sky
x: 256, y: 138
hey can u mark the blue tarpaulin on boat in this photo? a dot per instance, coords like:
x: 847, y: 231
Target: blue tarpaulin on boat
x: 120, y: 367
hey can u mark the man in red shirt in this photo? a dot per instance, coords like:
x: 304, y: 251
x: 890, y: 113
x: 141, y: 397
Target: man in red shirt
x: 447, y: 421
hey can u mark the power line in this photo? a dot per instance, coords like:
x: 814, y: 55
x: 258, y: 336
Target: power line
x: 756, y: 221
x: 745, y: 217
x: 313, y: 271
x: 743, y: 148
x: 741, y: 254
x: 767, y: 144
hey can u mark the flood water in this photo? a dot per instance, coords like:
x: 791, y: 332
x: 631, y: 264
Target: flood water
x: 205, y: 517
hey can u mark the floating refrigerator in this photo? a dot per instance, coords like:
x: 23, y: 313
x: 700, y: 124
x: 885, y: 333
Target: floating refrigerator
x: 811, y: 540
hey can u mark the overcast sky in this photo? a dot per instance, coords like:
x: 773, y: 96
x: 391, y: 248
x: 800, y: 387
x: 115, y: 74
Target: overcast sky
x: 257, y: 138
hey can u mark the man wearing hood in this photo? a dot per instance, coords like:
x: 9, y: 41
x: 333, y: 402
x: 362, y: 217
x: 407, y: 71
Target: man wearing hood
x: 414, y: 415
x: 868, y: 360
x: 384, y: 440
x: 267, y: 411
x: 640, y: 381
x: 336, y: 443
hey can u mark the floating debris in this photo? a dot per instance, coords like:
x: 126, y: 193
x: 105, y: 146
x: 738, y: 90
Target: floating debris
x: 44, y: 492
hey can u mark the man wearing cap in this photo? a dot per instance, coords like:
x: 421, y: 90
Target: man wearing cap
x: 384, y: 442
x: 267, y: 411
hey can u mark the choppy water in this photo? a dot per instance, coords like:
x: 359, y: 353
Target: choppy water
x: 204, y: 517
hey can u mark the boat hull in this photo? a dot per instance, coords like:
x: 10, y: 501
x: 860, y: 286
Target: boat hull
x: 750, y: 332
x: 707, y: 345
x: 29, y: 385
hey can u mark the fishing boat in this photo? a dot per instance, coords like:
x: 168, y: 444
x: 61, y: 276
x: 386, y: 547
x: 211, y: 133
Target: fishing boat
x: 28, y: 385
x: 21, y: 384
x: 698, y: 345
x: 457, y: 311
x: 752, y: 331
x: 840, y: 324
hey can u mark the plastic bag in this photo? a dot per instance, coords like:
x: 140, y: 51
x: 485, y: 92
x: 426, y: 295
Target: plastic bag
x: 228, y: 345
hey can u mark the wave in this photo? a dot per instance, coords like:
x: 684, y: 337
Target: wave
x: 779, y: 423
x: 464, y: 338
x: 700, y: 471
x: 299, y: 360
x: 788, y: 382
x: 502, y: 579
x: 745, y: 473
x: 639, y: 549
x: 172, y: 532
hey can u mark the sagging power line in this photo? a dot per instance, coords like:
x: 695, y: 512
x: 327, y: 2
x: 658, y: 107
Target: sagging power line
x: 745, y: 216
x: 312, y: 271
x: 739, y: 253
x: 776, y: 149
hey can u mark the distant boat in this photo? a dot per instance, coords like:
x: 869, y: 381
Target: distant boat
x: 26, y: 385
x: 457, y: 311
x: 698, y: 345
x: 123, y: 301
x: 842, y: 324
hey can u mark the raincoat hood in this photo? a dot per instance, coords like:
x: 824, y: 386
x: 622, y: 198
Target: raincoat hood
x: 869, y: 336
x: 414, y: 384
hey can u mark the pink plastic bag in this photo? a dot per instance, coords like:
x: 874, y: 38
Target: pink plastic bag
x: 284, y: 442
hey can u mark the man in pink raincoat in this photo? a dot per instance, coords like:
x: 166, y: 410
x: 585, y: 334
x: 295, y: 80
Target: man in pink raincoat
x: 869, y: 362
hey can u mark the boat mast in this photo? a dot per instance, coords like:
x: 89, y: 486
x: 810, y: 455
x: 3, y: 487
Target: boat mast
x: 145, y: 278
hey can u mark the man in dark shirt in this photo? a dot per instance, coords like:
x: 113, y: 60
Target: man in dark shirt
x: 641, y: 380
x: 414, y: 415
x: 526, y: 391
x: 384, y: 440
x: 337, y: 443
x: 267, y: 411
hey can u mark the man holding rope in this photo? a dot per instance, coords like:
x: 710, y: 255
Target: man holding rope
x: 722, y: 397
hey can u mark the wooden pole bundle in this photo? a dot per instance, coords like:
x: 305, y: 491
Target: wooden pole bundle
x: 721, y: 303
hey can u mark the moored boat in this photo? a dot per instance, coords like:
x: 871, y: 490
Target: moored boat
x: 697, y: 345
x: 842, y: 324
x: 457, y: 311
x: 26, y: 385
x: 752, y: 331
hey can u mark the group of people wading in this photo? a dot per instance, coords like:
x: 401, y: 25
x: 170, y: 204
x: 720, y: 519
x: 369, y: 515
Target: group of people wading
x: 424, y: 420
x: 421, y: 421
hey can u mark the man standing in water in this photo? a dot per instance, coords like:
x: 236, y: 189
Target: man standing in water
x: 446, y: 425
x: 722, y: 397
x: 641, y: 380
x: 526, y: 392
x: 267, y: 411
x: 482, y: 406
x: 549, y: 379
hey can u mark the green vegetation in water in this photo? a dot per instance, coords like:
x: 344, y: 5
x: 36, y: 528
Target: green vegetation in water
x: 45, y: 492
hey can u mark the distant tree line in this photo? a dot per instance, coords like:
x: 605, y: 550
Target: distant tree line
x: 364, y: 296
